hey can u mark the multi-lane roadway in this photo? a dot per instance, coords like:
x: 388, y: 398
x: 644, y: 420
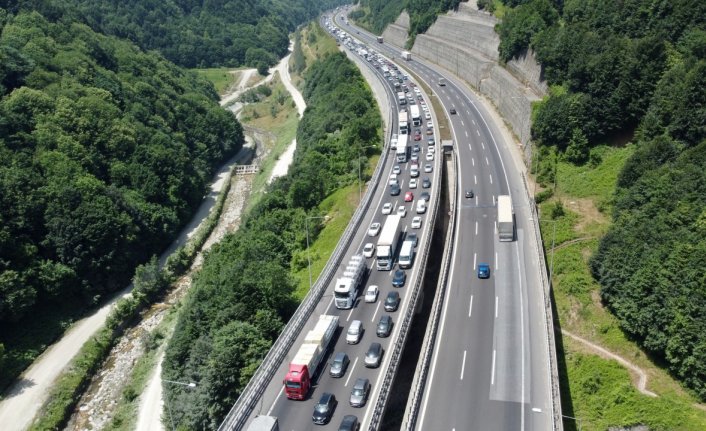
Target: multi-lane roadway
x: 297, y: 415
x: 490, y: 365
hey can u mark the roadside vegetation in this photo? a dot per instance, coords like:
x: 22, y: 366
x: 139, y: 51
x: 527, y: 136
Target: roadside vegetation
x: 105, y: 155
x: 633, y: 73
x: 375, y: 15
x: 222, y: 78
x: 245, y: 291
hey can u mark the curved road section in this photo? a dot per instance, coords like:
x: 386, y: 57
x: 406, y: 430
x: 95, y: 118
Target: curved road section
x: 490, y: 364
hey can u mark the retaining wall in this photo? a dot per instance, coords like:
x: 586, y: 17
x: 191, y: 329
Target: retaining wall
x: 398, y: 32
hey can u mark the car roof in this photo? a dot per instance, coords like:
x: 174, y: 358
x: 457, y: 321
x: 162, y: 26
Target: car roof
x: 393, y: 294
x: 325, y: 397
x: 339, y: 356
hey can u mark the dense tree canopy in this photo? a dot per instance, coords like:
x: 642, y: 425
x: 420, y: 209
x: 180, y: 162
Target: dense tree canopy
x: 242, y: 295
x: 618, y: 68
x: 104, y: 153
x: 377, y: 14
x: 193, y: 33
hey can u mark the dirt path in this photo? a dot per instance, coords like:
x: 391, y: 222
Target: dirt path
x: 637, y: 372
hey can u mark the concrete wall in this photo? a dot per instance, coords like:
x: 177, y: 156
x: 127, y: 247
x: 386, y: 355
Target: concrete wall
x: 398, y: 32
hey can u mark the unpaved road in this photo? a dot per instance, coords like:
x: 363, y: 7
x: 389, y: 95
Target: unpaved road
x: 151, y: 403
x: 24, y: 399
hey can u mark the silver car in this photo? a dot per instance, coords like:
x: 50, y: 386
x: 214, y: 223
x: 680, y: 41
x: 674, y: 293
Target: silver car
x: 359, y: 393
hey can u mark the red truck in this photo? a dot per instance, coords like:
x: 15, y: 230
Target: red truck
x: 309, y: 357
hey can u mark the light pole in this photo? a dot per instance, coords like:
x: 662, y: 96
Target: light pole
x: 166, y: 401
x: 308, y: 255
x: 360, y: 174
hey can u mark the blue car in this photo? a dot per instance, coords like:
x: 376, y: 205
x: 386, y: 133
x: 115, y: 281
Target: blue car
x: 483, y: 270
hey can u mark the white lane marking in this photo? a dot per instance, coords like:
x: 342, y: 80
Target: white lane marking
x: 536, y: 410
x: 475, y: 179
x: 482, y: 144
x: 478, y: 132
x: 463, y: 364
x: 276, y: 399
x: 376, y: 310
x: 496, y: 306
x: 475, y: 256
x: 466, y: 132
x: 349, y: 313
x: 493, y: 200
x: 474, y: 121
x: 496, y: 227
x: 491, y: 178
x: 496, y: 260
x: 492, y: 371
x: 350, y: 372
x: 522, y: 319
x: 469, y: 147
x: 476, y: 199
x: 462, y: 123
x: 486, y: 162
x: 468, y: 112
x: 470, y: 307
x: 476, y: 227
x: 473, y: 161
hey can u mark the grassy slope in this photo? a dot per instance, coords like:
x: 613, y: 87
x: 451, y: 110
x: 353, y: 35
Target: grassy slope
x: 221, y: 77
x: 601, y: 391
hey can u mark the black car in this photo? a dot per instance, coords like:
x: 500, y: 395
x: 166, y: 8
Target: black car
x: 359, y: 392
x: 412, y: 236
x: 399, y: 278
x: 426, y: 183
x: 373, y: 356
x: 349, y: 423
x: 323, y: 410
x: 392, y: 301
x: 469, y: 193
x: 424, y: 196
x: 452, y: 111
x: 384, y: 326
x: 394, y: 190
x: 339, y: 365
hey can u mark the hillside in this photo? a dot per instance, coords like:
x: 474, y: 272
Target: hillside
x: 193, y: 33
x: 633, y: 72
x: 375, y: 15
x: 104, y: 153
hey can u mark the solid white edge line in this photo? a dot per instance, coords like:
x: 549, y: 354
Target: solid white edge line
x: 522, y: 337
x: 279, y: 395
x: 496, y: 306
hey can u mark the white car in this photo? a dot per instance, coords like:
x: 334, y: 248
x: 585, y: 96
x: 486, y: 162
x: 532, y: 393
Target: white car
x: 369, y: 249
x: 430, y: 124
x: 417, y: 222
x: 371, y: 295
x: 430, y: 157
x: 387, y: 208
x: 396, y: 170
x: 431, y: 148
x: 428, y: 168
x: 427, y: 115
x: 413, y: 183
x: 393, y: 179
x: 414, y: 171
x: 417, y: 90
x: 421, y: 206
x: 374, y: 229
x: 401, y: 211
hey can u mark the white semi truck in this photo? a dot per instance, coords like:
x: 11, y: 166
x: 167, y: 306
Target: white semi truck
x: 387, y: 244
x: 264, y: 423
x: 506, y: 219
x: 403, y: 122
x: 401, y: 150
x: 416, y: 118
x: 346, y: 289
x: 406, y: 55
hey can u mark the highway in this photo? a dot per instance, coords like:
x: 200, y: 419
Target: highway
x: 490, y: 365
x: 297, y: 415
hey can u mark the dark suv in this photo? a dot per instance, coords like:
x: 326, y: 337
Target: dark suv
x: 323, y: 410
x: 384, y: 326
x: 392, y: 301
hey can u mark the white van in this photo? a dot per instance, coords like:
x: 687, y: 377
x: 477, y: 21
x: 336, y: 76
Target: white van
x: 406, y: 254
x: 421, y: 206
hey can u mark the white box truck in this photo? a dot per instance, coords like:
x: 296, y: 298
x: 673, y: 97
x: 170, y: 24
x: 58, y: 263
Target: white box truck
x: 406, y: 55
x: 403, y: 121
x: 401, y: 151
x: 406, y: 254
x: 416, y: 118
x: 264, y: 423
x: 401, y: 98
x: 387, y: 244
x: 506, y: 221
x: 345, y: 290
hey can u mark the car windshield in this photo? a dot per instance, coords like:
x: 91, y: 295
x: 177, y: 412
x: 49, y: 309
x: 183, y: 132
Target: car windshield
x: 358, y: 391
x: 321, y: 408
x: 293, y: 385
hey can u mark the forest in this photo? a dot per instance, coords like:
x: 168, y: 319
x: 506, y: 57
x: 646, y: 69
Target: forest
x: 634, y: 71
x: 242, y: 296
x: 192, y: 33
x: 377, y: 14
x: 105, y: 152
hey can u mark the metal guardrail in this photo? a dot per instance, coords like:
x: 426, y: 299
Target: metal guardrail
x: 245, y: 404
x: 433, y: 325
x: 548, y: 315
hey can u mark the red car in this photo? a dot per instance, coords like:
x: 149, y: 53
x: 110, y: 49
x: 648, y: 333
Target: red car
x: 408, y: 197
x: 417, y: 137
